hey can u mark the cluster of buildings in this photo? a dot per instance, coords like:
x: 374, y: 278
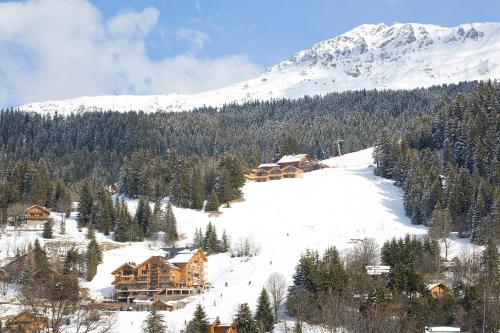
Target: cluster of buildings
x: 177, y: 275
x: 289, y: 166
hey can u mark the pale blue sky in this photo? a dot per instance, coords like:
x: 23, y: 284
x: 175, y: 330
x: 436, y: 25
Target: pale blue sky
x: 54, y: 49
x: 272, y: 30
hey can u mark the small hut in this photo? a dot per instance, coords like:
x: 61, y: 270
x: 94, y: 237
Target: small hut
x: 35, y: 216
x: 437, y: 290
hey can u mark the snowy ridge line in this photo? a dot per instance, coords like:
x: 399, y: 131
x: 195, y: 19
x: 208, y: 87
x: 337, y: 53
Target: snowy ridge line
x: 398, y: 56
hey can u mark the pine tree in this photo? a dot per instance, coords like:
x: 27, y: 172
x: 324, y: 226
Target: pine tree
x: 225, y: 243
x: 47, y: 230
x: 93, y: 257
x: 197, y: 193
x: 288, y: 146
x: 104, y: 212
x: 244, y: 320
x: 213, y: 202
x: 198, y: 239
x: 85, y: 206
x: 477, y: 212
x: 199, y: 323
x: 490, y: 265
x: 142, y: 215
x: 264, y: 314
x: 223, y: 187
x: 156, y: 219
x: 42, y: 187
x: 121, y: 222
x: 331, y: 276
x: 211, y: 242
x: 171, y: 234
x: 72, y: 261
x: 61, y: 199
x: 41, y: 263
x: 154, y: 323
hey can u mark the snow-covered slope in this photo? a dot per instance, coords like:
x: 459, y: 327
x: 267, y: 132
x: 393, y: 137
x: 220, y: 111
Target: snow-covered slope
x: 399, y: 56
x: 283, y: 217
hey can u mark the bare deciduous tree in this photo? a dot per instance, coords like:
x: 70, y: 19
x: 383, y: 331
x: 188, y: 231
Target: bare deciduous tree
x: 276, y: 286
x: 58, y: 298
x: 441, y: 226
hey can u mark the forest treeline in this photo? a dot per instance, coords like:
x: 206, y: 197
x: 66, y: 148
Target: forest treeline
x: 448, y: 166
x: 96, y: 143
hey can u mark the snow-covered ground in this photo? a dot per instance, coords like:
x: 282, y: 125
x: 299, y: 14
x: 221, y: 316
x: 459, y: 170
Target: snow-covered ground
x: 397, y: 56
x: 283, y: 218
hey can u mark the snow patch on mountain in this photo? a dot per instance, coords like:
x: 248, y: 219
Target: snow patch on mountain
x: 398, y: 56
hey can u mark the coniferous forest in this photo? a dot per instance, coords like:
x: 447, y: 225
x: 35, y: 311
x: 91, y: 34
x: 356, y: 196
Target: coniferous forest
x: 448, y: 166
x: 441, y: 145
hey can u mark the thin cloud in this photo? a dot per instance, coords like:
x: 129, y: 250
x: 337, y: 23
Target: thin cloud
x: 197, y: 6
x: 54, y: 49
x: 197, y: 39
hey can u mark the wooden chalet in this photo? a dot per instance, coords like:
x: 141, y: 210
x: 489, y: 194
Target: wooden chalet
x: 180, y: 274
x: 35, y: 216
x: 437, y: 290
x: 258, y: 175
x: 218, y: 327
x: 291, y: 171
x: 275, y: 173
x: 27, y: 321
x: 300, y: 161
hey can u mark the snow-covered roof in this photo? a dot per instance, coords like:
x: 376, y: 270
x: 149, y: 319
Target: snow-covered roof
x: 143, y: 301
x: 38, y: 207
x: 183, y: 256
x: 267, y: 165
x: 291, y: 158
x: 442, y: 329
x: 434, y: 285
x: 377, y: 270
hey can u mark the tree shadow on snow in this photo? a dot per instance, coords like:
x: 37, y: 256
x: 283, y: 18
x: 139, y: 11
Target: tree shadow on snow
x: 391, y: 195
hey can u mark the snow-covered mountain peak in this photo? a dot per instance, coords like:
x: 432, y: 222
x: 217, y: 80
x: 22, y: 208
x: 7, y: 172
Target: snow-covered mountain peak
x: 385, y: 42
x: 397, y: 56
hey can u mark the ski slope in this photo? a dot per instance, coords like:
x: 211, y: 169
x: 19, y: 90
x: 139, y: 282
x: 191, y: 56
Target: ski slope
x: 284, y: 218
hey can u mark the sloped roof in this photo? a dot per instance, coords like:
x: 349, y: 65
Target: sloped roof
x: 183, y: 256
x: 267, y: 165
x: 292, y: 158
x: 160, y: 259
x: 122, y: 266
x: 434, y: 285
x: 38, y: 207
x: 259, y: 171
